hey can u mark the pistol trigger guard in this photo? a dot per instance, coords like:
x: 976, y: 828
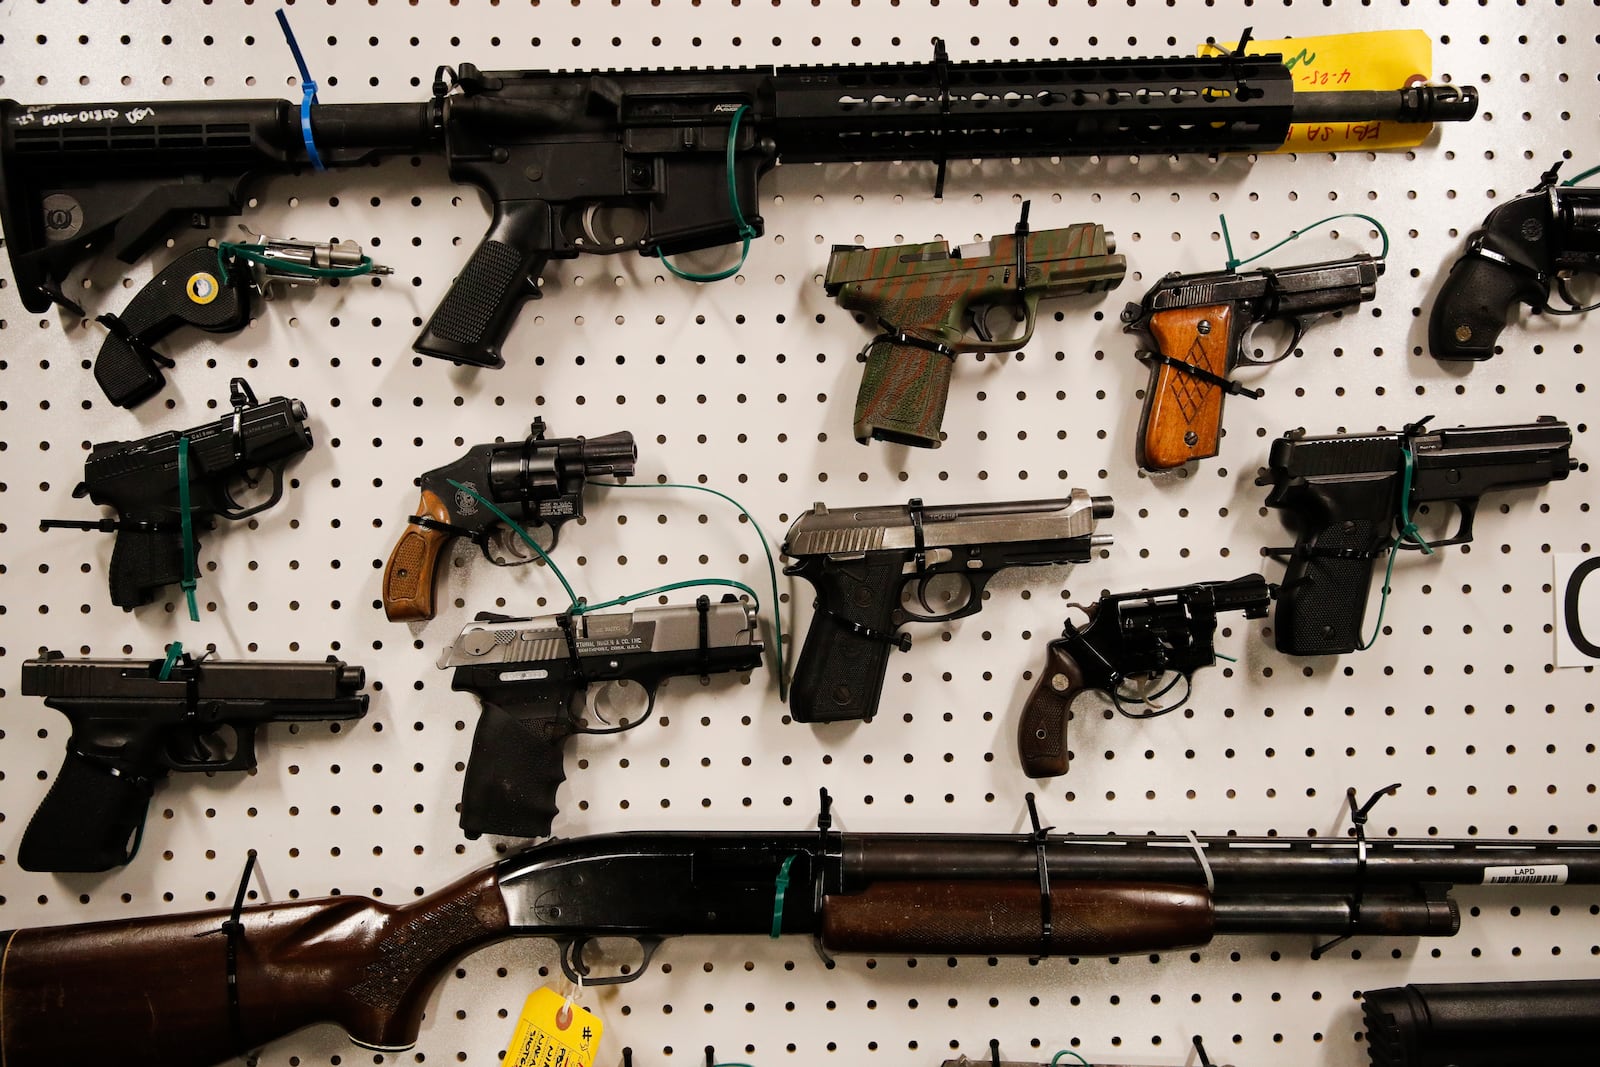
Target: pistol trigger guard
x: 1572, y: 308
x: 231, y: 509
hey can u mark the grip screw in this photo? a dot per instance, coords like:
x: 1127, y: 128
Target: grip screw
x: 1058, y: 682
x: 1463, y: 332
x: 1204, y: 326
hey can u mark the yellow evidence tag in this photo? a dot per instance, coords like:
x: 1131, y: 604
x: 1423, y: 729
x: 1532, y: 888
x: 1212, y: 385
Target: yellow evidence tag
x: 1379, y: 59
x: 541, y: 1039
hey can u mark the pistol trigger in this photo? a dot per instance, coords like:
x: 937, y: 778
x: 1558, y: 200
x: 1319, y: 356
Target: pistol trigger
x: 570, y: 955
x: 980, y: 323
x: 922, y: 592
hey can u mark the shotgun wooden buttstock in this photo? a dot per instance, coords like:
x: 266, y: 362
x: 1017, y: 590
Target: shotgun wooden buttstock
x: 1183, y: 414
x: 994, y: 918
x: 153, y: 992
x: 408, y: 578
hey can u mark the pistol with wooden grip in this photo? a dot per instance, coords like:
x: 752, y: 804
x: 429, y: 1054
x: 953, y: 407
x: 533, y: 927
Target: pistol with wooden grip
x: 538, y: 481
x: 1195, y: 330
x: 133, y: 721
x: 1129, y: 637
x: 534, y: 677
x: 927, y: 297
x: 870, y: 565
x: 1528, y: 246
x: 1349, y: 500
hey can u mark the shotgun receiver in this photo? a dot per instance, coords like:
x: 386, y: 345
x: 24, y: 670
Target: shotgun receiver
x: 539, y: 480
x: 1349, y: 498
x: 533, y: 678
x: 1129, y: 637
x: 1195, y: 329
x: 135, y: 720
x: 863, y: 562
x: 927, y: 297
x: 656, y: 162
x: 369, y: 966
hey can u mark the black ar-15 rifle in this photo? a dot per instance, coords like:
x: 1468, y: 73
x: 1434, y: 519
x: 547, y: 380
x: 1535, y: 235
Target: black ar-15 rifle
x: 655, y: 161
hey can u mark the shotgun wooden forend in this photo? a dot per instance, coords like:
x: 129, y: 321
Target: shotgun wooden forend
x: 992, y: 918
x: 153, y: 992
x: 408, y: 578
x: 1182, y: 413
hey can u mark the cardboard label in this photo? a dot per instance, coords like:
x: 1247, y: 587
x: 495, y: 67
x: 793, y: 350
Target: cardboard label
x: 540, y: 1039
x: 1380, y: 59
x: 1577, y: 595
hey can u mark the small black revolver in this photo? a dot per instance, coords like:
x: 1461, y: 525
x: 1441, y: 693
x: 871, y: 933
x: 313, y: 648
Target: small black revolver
x: 539, y: 481
x: 1141, y: 636
x: 153, y: 481
x: 1525, y: 248
x: 1350, y: 497
x: 135, y: 720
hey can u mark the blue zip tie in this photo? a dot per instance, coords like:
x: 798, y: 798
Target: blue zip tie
x: 174, y: 653
x: 309, y: 85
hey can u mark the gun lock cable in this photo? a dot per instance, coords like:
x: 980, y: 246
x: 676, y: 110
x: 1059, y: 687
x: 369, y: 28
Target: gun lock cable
x: 1408, y: 535
x: 1235, y: 263
x: 746, y: 231
x: 578, y: 607
x: 1056, y: 1059
x: 227, y: 250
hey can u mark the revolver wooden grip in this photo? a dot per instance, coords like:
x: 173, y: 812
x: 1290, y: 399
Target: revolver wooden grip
x: 408, y: 578
x: 1042, y: 728
x: 1182, y: 417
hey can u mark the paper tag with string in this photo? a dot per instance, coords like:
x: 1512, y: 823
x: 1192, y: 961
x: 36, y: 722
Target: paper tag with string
x: 1378, y: 59
x: 554, y: 1031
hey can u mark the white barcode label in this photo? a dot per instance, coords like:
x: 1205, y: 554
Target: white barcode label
x: 1545, y: 874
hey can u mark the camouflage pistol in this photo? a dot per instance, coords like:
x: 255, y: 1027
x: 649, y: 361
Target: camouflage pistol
x: 926, y: 297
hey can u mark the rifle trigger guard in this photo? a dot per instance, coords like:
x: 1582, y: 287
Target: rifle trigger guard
x: 570, y: 956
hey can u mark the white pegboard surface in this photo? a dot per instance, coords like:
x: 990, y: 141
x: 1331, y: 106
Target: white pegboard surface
x: 748, y: 386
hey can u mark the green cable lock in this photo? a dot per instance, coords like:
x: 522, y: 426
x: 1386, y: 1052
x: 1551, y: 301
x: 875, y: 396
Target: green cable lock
x: 746, y: 231
x: 229, y: 249
x: 1408, y: 532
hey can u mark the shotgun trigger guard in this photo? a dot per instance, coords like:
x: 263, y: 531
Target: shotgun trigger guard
x: 570, y: 956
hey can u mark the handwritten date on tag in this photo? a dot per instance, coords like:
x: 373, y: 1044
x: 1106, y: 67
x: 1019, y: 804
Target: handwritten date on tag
x: 1380, y: 59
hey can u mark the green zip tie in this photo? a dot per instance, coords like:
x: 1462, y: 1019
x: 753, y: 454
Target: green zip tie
x: 780, y: 886
x: 746, y: 230
x: 1230, y: 659
x: 576, y: 607
x: 772, y: 567
x: 174, y: 653
x: 1068, y: 1052
x: 1408, y: 532
x: 528, y: 538
x: 1588, y: 173
x: 251, y: 253
x: 186, y: 521
x: 687, y: 583
x: 1235, y: 264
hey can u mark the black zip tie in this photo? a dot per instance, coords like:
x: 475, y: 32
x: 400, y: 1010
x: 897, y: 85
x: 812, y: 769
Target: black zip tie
x: 918, y: 534
x: 627, y: 1056
x: 1227, y: 385
x: 941, y: 71
x: 1200, y: 1050
x: 711, y: 1056
x: 1358, y: 818
x: 900, y: 641
x: 994, y: 1052
x: 1020, y: 241
x: 703, y: 611
x: 1041, y: 836
x: 893, y: 334
x: 233, y: 929
x: 123, y: 332
x: 449, y: 528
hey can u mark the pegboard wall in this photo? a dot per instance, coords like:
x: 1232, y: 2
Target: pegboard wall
x: 747, y: 386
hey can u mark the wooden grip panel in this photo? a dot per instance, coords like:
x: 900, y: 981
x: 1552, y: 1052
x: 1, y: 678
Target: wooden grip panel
x: 1182, y: 413
x: 408, y: 577
x: 995, y: 918
x: 1042, y: 726
x: 153, y: 992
